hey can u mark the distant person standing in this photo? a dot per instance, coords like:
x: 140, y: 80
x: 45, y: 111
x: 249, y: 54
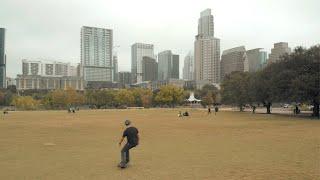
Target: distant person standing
x: 296, y: 110
x: 131, y: 133
x: 209, y: 110
x: 216, y: 109
x: 253, y: 109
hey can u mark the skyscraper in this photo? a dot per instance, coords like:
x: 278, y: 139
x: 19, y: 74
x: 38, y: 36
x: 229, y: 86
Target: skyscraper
x: 138, y: 51
x: 3, y: 83
x: 188, y: 67
x: 234, y: 59
x: 279, y: 49
x: 175, y: 66
x: 205, y: 24
x: 207, y: 50
x: 168, y: 65
x: 96, y: 54
x: 256, y: 59
x: 115, y: 68
x: 149, y: 69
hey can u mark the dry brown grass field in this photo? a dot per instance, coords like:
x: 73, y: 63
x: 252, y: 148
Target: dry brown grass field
x: 230, y: 145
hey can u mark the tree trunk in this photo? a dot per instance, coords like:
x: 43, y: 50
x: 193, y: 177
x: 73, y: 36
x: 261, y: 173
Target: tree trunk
x: 316, y: 109
x: 268, y: 105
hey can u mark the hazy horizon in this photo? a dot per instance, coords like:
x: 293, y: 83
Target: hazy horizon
x: 38, y: 29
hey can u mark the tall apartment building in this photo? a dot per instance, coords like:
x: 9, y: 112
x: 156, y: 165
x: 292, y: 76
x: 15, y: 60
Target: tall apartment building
x: 24, y: 82
x: 96, y: 54
x: 149, y: 69
x: 3, y: 83
x: 207, y: 50
x: 279, y: 49
x: 48, y: 76
x: 234, y: 59
x: 115, y: 68
x: 168, y: 65
x: 188, y: 67
x: 257, y: 59
x: 138, y: 51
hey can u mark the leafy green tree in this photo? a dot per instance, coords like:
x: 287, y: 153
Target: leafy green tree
x: 208, y: 94
x: 2, y: 98
x: 59, y: 98
x: 297, y: 77
x: 142, y: 97
x: 100, y: 98
x: 124, y: 97
x: 261, y: 88
x: 235, y: 89
x: 73, y: 98
x: 169, y: 95
x: 25, y: 103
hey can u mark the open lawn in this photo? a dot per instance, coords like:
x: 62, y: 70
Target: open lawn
x: 230, y: 145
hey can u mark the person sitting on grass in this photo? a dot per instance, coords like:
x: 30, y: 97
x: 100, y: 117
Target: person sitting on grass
x: 132, y: 141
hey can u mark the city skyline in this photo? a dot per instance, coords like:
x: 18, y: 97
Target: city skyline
x: 30, y: 36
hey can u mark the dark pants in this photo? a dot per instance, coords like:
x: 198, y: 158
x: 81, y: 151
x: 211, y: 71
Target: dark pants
x: 125, y: 153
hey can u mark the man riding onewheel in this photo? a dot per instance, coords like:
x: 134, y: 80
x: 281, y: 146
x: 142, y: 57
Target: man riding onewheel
x: 131, y: 133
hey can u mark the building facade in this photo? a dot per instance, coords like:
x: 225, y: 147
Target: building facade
x: 207, y: 50
x: 257, y: 59
x: 96, y: 54
x: 234, y: 59
x: 138, y: 51
x: 175, y: 67
x: 3, y: 83
x: 10, y: 81
x: 149, y: 69
x: 40, y: 75
x: 115, y: 68
x: 36, y: 82
x: 188, y: 67
x: 279, y: 49
x: 30, y: 67
x: 168, y: 65
x: 125, y: 78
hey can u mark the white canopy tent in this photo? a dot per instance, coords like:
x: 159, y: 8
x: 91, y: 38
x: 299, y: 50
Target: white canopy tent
x: 192, y: 99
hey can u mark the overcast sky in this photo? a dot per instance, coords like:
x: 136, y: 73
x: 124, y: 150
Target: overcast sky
x: 50, y: 29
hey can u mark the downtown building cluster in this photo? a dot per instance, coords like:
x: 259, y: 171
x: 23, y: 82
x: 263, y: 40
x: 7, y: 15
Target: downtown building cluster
x: 98, y: 67
x: 204, y: 65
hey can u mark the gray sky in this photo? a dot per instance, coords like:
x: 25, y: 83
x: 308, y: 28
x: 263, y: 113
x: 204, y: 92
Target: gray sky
x: 50, y: 29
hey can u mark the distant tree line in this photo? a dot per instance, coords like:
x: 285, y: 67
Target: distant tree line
x: 294, y: 79
x: 165, y: 96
